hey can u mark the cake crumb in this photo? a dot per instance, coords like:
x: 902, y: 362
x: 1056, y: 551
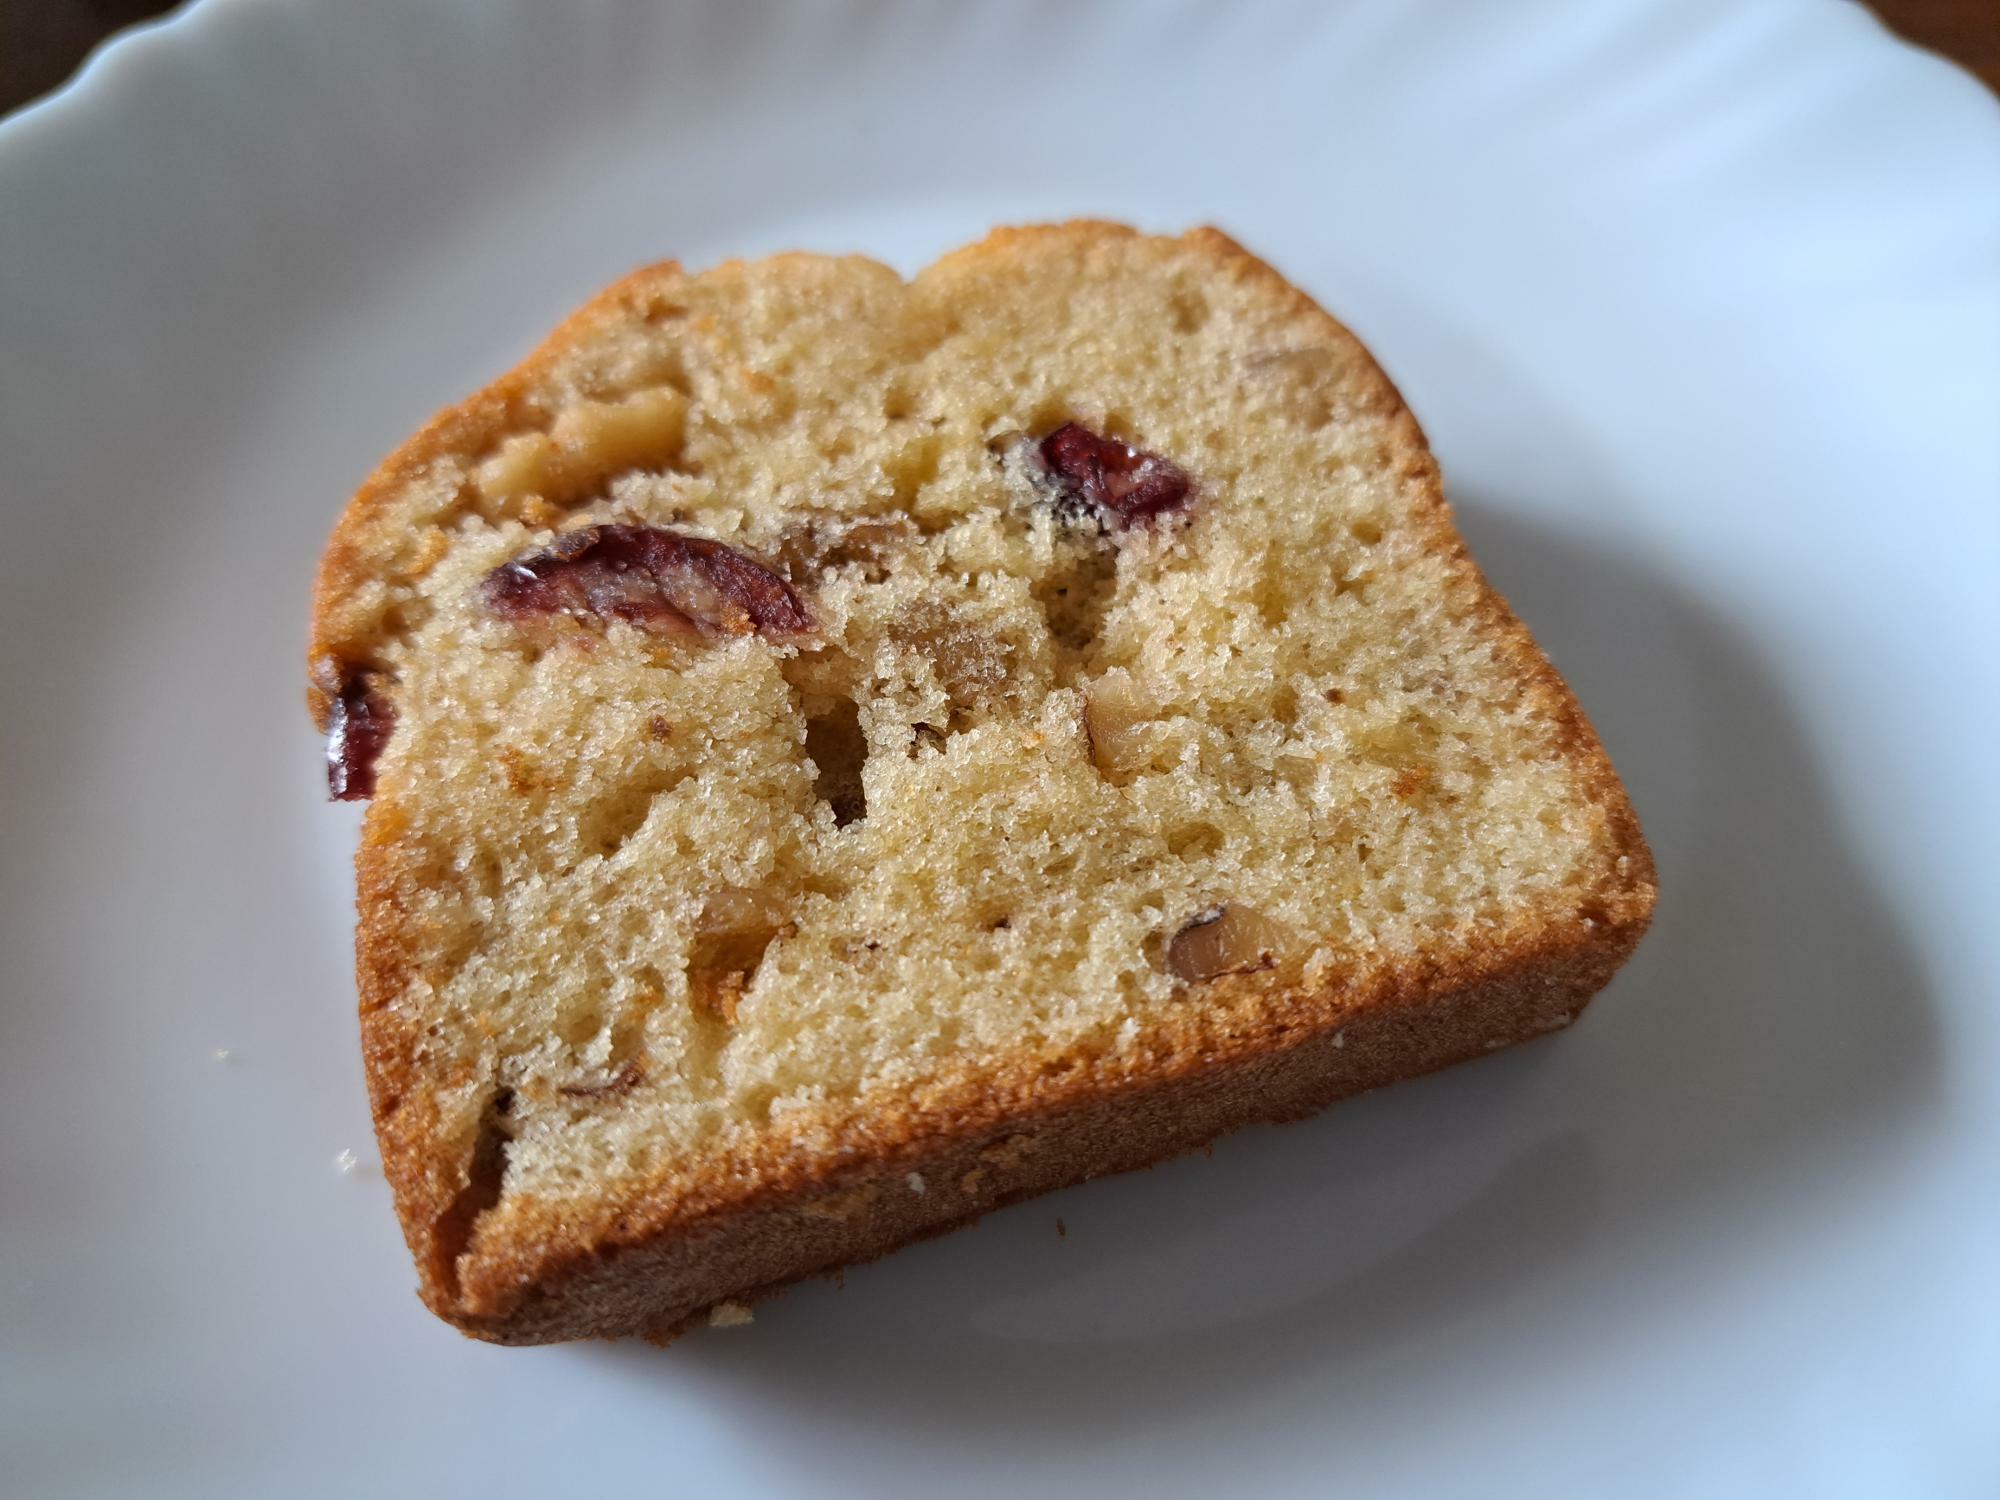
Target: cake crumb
x: 916, y: 1182
x: 730, y: 1315
x: 1062, y: 1230
x: 1340, y: 1038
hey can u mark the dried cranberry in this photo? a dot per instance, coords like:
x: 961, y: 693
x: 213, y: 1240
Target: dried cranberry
x: 1129, y: 483
x: 356, y: 730
x: 648, y: 576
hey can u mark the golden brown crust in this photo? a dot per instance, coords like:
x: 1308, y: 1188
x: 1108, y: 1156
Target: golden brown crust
x: 772, y: 1215
x: 830, y: 1188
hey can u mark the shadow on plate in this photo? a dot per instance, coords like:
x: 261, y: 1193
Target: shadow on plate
x: 1774, y: 1015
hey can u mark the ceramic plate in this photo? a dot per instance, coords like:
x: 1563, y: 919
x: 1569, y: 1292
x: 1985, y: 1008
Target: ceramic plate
x: 1701, y: 305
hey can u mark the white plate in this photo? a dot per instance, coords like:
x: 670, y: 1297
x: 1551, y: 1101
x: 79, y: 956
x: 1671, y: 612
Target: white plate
x: 1701, y: 303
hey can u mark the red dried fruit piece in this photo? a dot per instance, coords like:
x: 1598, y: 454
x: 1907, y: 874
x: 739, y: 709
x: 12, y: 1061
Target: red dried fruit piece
x: 648, y: 576
x: 1129, y: 483
x: 357, y: 728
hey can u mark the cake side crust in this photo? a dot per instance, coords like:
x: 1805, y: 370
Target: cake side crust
x: 979, y: 1144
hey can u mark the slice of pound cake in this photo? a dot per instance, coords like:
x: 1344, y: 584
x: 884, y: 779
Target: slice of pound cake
x: 847, y: 753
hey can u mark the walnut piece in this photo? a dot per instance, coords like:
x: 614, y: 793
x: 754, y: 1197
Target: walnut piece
x: 628, y: 1075
x: 1115, y: 713
x: 871, y: 543
x: 588, y: 444
x: 1231, y: 939
x: 969, y: 663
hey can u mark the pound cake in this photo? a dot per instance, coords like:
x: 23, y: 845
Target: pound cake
x: 847, y: 753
